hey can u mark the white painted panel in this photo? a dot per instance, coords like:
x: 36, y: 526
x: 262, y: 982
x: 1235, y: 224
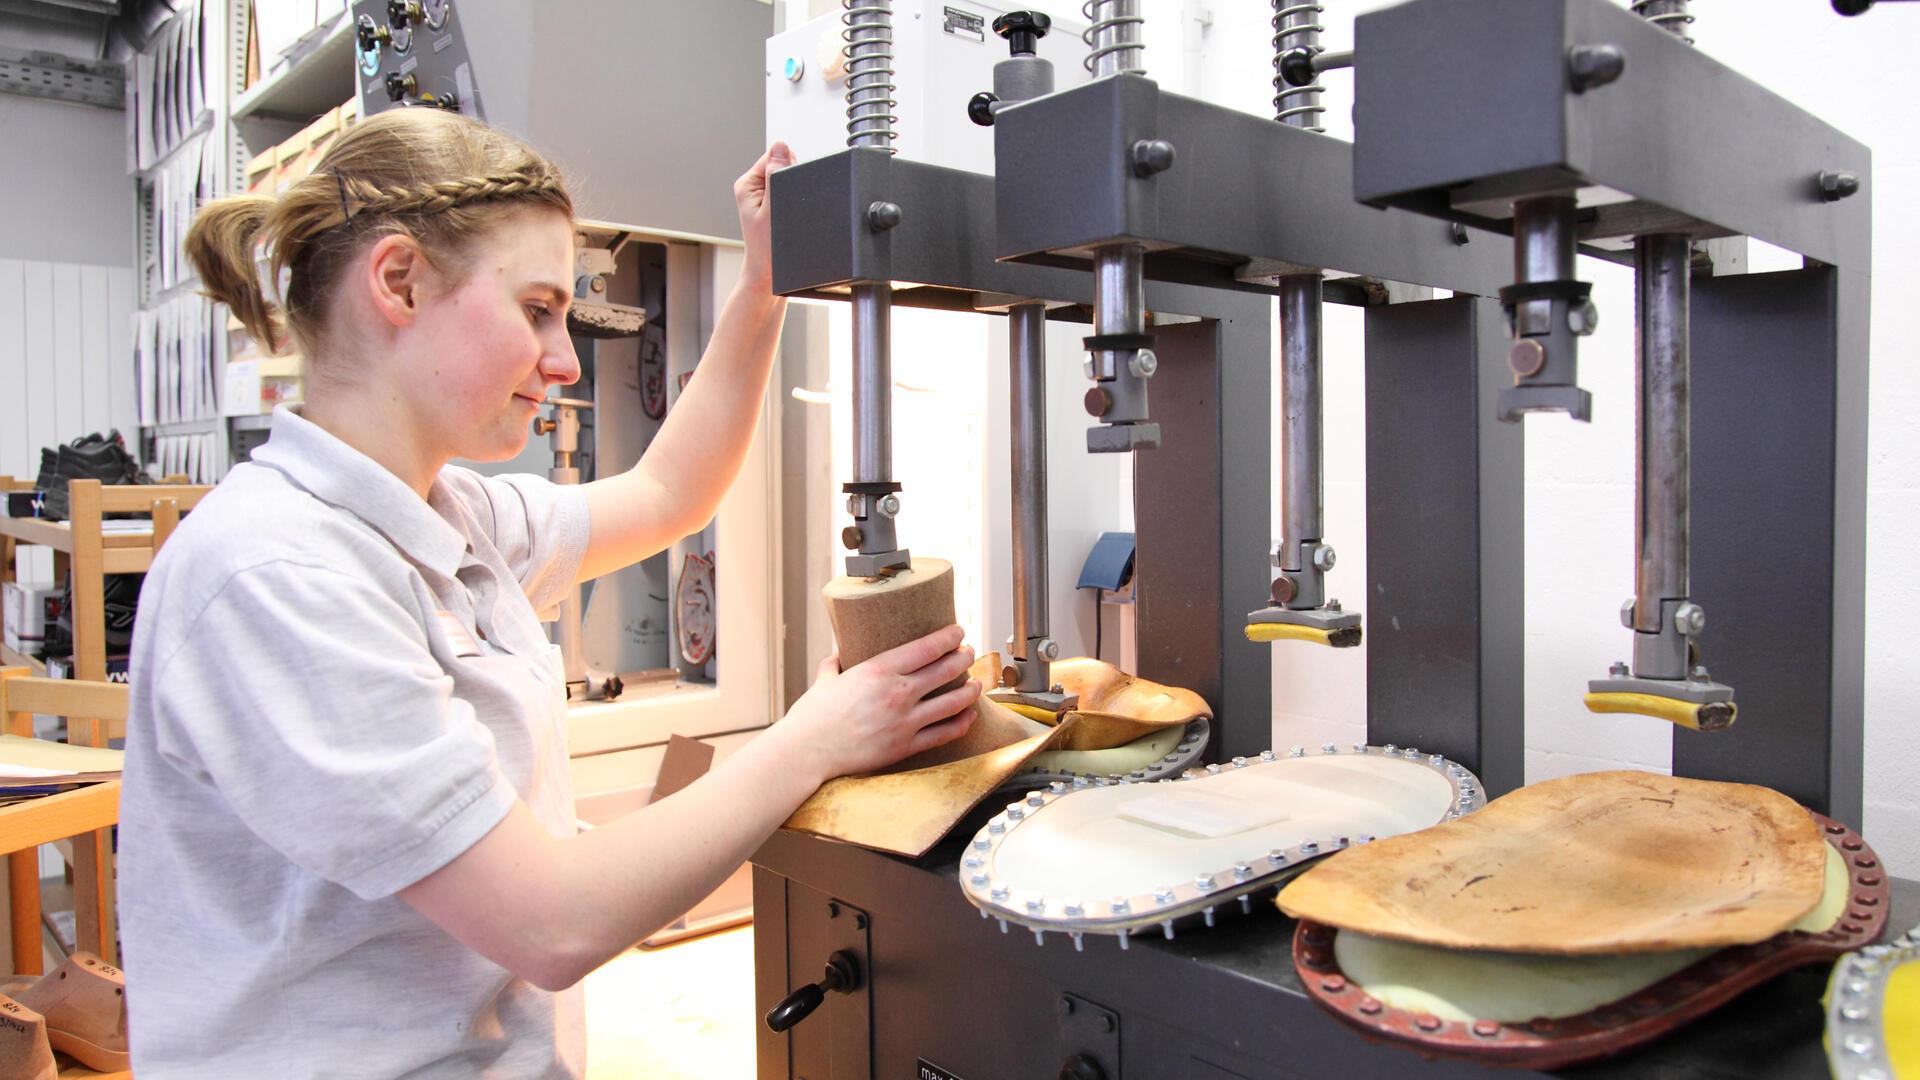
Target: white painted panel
x: 36, y: 319
x: 96, y: 351
x: 17, y: 456
x: 122, y: 390
x: 68, y: 379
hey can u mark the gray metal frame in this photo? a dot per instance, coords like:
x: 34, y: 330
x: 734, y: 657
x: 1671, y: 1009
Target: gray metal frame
x: 1199, y: 571
x: 1779, y: 361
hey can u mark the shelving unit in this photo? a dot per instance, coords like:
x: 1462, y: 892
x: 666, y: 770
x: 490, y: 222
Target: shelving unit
x: 244, y: 121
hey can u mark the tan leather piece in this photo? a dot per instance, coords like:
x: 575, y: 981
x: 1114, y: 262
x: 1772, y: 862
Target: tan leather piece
x: 907, y: 809
x: 84, y: 1002
x: 24, y: 1051
x: 1602, y: 863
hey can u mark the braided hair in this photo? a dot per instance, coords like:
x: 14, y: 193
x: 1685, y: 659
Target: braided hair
x: 438, y: 177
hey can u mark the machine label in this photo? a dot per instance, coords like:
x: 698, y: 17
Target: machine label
x: 965, y: 24
x: 928, y: 1070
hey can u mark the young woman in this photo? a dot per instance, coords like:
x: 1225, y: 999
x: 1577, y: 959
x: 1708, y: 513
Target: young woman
x: 347, y: 842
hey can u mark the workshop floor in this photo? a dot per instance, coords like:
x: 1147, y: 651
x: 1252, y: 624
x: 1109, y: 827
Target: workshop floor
x: 684, y: 1012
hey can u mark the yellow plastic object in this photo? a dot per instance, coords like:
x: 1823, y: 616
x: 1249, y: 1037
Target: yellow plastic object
x: 1034, y: 712
x: 1345, y: 637
x: 1684, y: 713
x: 1900, y: 1005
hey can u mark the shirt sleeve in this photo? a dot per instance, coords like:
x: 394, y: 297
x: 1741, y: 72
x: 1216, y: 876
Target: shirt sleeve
x: 312, y: 702
x: 539, y: 527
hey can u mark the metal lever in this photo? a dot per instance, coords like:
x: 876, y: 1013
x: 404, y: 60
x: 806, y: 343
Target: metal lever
x: 842, y: 977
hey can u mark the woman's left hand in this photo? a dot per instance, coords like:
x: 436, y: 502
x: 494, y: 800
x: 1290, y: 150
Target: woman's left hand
x: 750, y: 195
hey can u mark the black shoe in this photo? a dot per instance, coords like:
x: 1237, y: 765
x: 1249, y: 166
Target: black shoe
x: 48, y: 468
x: 90, y: 457
x: 121, y: 593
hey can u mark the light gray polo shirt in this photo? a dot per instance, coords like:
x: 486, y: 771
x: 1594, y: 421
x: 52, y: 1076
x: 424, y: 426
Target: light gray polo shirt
x: 338, y: 688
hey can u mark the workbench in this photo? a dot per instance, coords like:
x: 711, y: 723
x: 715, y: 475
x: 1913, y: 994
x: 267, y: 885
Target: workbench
x: 950, y: 989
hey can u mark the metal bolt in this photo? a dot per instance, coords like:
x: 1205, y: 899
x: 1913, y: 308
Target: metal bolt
x: 1056, y: 688
x: 972, y: 861
x: 979, y: 879
x: 1276, y: 856
x: 1308, y: 847
x: 1835, y: 186
x: 999, y: 892
x: 1699, y: 673
x: 1163, y: 896
x: 1098, y: 401
x: 1583, y: 318
x: 1589, y: 66
x: 1014, y: 813
x: 890, y: 506
x: 1152, y: 156
x: 1330, y: 748
x: 1243, y: 871
x: 1203, y: 882
x: 1036, y: 907
x: 1143, y: 364
x: 1267, y: 755
x: 1036, y: 799
x: 1283, y: 590
x: 1690, y: 619
x: 1057, y: 786
x: 882, y: 216
x: 1459, y: 233
x: 1332, y: 605
x: 1619, y: 669
x: 1213, y: 770
x: 1239, y: 762
x: 982, y: 843
x: 1296, y: 751
x: 996, y: 826
x: 1074, y: 910
x: 1323, y: 558
x: 1120, y: 907
x: 1048, y: 649
x: 1526, y: 358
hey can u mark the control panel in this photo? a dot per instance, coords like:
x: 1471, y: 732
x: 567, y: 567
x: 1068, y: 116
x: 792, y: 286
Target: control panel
x: 410, y: 54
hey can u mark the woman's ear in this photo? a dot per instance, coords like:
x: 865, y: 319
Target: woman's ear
x: 396, y: 270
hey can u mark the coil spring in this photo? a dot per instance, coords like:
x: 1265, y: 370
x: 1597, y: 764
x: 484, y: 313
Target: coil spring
x: 1296, y: 25
x: 1122, y: 32
x: 1668, y: 15
x: 869, y: 49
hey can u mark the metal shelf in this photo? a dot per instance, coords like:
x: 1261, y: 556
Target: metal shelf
x: 310, y: 84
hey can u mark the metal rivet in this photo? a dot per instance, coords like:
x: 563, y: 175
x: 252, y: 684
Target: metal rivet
x: 999, y: 892
x: 1329, y: 748
x: 1243, y: 871
x: 1213, y: 770
x: 1276, y: 856
x: 972, y: 861
x: 1121, y: 906
x: 1073, y: 909
x: 1036, y: 907
x: 1309, y: 847
x: 979, y: 879
x: 1854, y: 1012
x: 982, y: 843
x: 1057, y: 787
x: 1163, y: 896
x: 1203, y: 882
x: 1858, y: 1045
x: 996, y: 826
x: 1486, y: 1029
x: 1370, y: 1006
x: 1427, y: 1022
x: 1239, y: 762
x: 1334, y: 984
x: 1392, y: 748
x: 1297, y: 751
x: 1014, y: 813
x: 1268, y: 755
x: 1036, y: 799
x: 1359, y: 748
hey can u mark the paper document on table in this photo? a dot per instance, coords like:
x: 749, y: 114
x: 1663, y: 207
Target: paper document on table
x: 27, y: 762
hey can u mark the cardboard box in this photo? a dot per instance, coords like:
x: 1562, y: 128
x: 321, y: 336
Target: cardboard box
x: 29, y: 608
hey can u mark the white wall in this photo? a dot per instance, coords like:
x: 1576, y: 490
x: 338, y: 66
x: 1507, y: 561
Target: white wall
x: 1857, y: 75
x: 68, y: 197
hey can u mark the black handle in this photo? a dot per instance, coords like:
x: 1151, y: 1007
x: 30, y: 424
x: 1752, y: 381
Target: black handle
x: 1081, y: 1067
x: 843, y: 976
x: 1023, y: 30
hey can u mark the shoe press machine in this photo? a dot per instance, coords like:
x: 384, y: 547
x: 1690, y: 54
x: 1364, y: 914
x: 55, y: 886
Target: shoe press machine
x: 1595, y: 130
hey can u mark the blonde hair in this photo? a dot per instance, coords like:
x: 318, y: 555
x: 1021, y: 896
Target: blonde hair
x: 438, y: 177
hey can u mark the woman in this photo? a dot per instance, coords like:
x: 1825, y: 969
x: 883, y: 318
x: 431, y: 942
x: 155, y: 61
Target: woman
x: 348, y: 842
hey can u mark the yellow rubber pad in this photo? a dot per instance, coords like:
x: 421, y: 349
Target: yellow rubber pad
x: 1034, y: 712
x: 1272, y: 631
x: 1900, y: 1024
x: 1684, y: 713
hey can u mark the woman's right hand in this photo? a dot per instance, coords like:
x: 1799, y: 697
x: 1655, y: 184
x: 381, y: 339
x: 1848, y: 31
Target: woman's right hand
x: 866, y: 718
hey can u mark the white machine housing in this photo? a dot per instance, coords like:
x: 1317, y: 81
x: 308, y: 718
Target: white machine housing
x: 944, y: 52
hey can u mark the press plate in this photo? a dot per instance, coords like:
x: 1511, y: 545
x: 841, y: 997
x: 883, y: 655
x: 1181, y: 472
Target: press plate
x: 1094, y: 855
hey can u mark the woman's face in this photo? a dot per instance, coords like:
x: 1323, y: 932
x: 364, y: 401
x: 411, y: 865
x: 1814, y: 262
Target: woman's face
x: 498, y: 340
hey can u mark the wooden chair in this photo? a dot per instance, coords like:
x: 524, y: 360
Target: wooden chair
x: 86, y: 814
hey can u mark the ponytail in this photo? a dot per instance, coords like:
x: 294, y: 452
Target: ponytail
x: 221, y: 246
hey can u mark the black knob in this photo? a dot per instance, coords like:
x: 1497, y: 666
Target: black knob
x: 1296, y: 67
x: 1023, y: 30
x: 371, y: 35
x: 400, y: 86
x: 980, y: 108
x: 842, y: 977
x: 1082, y: 1067
x: 614, y: 688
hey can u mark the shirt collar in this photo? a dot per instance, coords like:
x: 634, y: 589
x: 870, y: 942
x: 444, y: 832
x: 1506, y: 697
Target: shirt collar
x: 337, y: 474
